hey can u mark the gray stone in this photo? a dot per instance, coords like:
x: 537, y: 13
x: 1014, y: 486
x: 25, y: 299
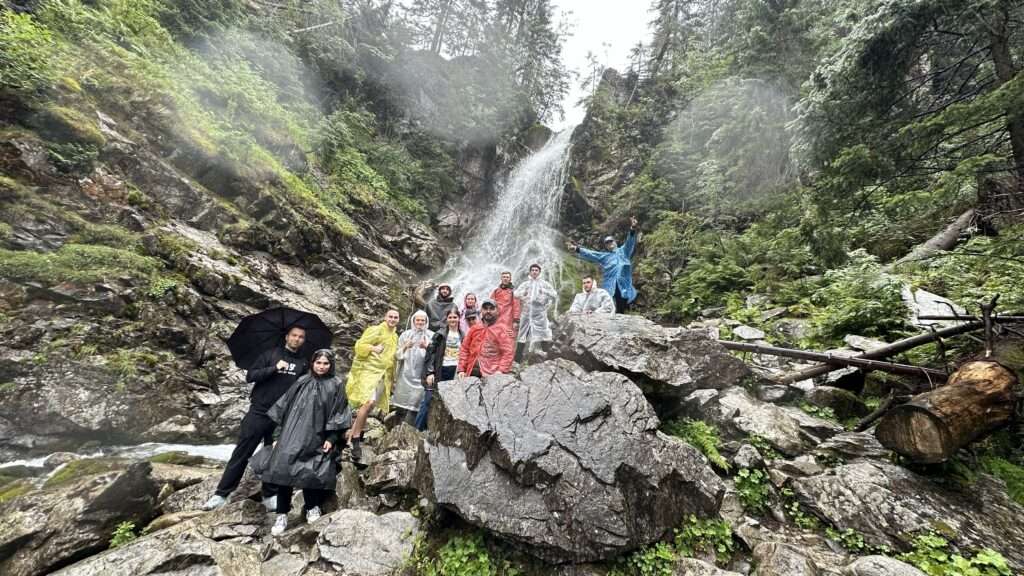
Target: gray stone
x: 778, y: 559
x: 205, y: 545
x: 886, y: 502
x: 923, y: 303
x: 665, y: 362
x: 776, y: 394
x: 799, y: 466
x: 773, y: 313
x: 567, y: 462
x: 738, y: 415
x: 880, y: 566
x: 193, y: 496
x: 48, y: 528
x: 748, y: 332
x: 360, y: 543
x: 695, y: 567
x: 862, y: 343
x: 853, y: 445
x: 181, y: 476
x: 748, y: 457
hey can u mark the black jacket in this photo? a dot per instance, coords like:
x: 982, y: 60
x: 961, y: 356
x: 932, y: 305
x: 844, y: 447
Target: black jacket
x: 435, y: 353
x: 269, y: 384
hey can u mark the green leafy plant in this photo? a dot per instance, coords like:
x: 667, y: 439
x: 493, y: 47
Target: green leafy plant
x: 701, y: 436
x: 764, y: 447
x: 701, y: 535
x: 796, y: 513
x: 461, y: 555
x: 123, y: 534
x: 754, y: 489
x: 932, y: 555
x: 849, y: 539
x: 858, y: 299
x: 823, y: 412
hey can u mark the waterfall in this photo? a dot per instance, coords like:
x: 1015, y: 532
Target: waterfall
x: 521, y: 227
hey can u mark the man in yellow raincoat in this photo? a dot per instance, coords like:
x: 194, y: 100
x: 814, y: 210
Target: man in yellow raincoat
x: 372, y: 375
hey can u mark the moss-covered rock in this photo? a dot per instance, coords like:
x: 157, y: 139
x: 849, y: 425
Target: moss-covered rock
x: 63, y: 125
x: 81, y: 468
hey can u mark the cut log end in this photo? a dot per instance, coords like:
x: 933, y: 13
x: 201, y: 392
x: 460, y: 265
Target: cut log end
x: 931, y: 427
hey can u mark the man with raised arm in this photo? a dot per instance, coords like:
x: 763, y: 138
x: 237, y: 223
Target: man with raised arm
x: 616, y: 266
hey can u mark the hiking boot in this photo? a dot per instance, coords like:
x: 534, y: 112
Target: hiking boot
x: 270, y: 503
x: 313, y: 514
x: 279, y: 525
x: 215, y: 501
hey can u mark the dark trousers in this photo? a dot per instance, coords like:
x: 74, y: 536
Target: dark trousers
x: 310, y: 496
x: 447, y: 373
x: 621, y: 304
x: 255, y: 429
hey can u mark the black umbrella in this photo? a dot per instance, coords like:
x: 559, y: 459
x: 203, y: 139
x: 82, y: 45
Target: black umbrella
x: 260, y: 332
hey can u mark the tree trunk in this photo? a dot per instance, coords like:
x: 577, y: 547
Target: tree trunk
x: 931, y: 427
x: 1002, y: 61
x: 944, y: 240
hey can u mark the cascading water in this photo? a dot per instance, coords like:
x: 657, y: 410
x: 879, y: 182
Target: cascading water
x: 520, y: 229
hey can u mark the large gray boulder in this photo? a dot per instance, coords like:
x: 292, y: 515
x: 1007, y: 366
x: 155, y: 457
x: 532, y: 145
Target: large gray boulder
x: 738, y: 415
x: 886, y: 503
x: 65, y: 521
x: 566, y: 462
x: 664, y: 362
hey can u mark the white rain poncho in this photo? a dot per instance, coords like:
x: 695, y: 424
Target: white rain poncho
x: 597, y: 300
x: 536, y: 297
x: 409, y: 383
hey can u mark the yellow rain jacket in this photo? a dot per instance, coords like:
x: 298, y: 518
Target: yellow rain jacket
x: 369, y: 369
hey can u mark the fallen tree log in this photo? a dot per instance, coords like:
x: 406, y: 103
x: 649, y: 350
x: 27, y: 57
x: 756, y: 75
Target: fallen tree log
x: 932, y: 426
x: 885, y: 351
x: 836, y: 360
x: 946, y: 239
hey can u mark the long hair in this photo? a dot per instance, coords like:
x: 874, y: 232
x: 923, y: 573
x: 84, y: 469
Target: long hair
x: 322, y: 353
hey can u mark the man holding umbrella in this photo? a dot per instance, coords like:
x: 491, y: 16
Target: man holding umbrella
x: 280, y: 333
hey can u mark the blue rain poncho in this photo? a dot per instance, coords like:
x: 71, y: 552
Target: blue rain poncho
x: 616, y: 267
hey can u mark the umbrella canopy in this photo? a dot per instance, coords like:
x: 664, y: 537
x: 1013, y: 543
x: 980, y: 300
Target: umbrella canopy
x: 260, y: 332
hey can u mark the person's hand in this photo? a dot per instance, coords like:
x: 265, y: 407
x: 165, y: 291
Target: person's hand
x: 424, y: 344
x: 348, y: 435
x: 461, y: 376
x: 377, y: 349
x: 327, y: 446
x: 633, y: 222
x: 281, y: 365
x: 429, y: 380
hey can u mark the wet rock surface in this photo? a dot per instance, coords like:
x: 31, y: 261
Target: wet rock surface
x: 46, y: 529
x: 739, y: 415
x: 664, y: 362
x: 886, y: 503
x: 566, y: 462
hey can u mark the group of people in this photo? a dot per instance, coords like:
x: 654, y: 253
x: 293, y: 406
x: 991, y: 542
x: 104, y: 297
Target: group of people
x: 303, y: 414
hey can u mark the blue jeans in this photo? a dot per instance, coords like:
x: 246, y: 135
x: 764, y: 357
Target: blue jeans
x: 447, y: 373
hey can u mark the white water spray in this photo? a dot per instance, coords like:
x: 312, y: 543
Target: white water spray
x: 520, y: 229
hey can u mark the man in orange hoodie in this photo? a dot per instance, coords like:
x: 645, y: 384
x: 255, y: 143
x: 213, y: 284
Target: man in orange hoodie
x: 505, y: 299
x: 488, y: 348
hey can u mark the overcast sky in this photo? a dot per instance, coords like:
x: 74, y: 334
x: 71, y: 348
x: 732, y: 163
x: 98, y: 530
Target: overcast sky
x: 609, y: 29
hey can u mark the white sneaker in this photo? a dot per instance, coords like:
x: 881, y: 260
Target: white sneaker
x: 313, y: 514
x: 279, y: 525
x: 215, y: 501
x: 270, y: 503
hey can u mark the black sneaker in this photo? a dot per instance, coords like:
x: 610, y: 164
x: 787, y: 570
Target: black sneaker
x: 357, y: 450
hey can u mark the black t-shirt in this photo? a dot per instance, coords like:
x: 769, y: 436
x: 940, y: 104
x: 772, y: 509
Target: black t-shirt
x: 269, y: 383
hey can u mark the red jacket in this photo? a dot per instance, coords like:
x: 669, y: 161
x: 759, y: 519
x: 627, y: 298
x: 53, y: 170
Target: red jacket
x: 508, y: 306
x: 490, y: 346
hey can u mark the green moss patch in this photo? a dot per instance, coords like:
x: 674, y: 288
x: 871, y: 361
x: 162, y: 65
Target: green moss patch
x: 12, y: 490
x: 81, y: 468
x: 80, y: 263
x: 64, y: 125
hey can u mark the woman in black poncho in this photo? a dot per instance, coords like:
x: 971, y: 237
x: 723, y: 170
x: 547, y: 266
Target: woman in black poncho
x: 311, y: 417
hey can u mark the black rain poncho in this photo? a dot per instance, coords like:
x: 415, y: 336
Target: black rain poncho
x: 314, y: 409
